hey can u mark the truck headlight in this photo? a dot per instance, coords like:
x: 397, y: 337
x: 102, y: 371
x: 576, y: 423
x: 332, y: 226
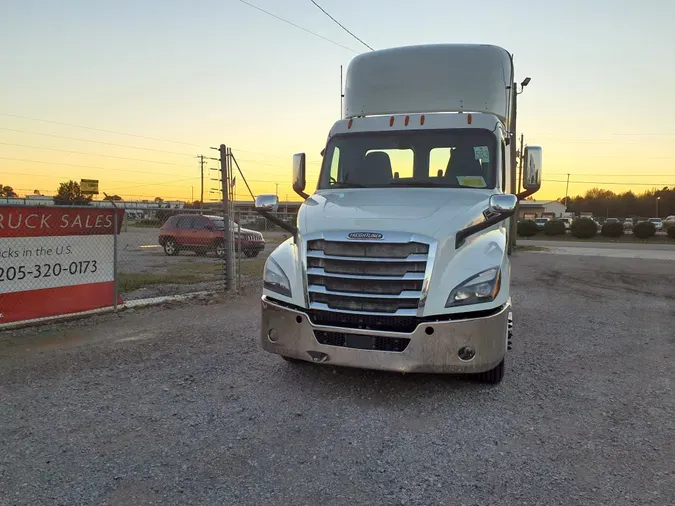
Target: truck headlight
x: 483, y: 287
x: 275, y: 278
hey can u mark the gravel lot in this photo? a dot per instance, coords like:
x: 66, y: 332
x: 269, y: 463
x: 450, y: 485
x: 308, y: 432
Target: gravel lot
x: 178, y: 405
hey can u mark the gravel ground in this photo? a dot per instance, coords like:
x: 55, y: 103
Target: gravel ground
x: 178, y: 405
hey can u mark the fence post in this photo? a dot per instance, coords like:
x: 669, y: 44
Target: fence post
x: 238, y: 215
x: 115, y: 273
x: 228, y: 232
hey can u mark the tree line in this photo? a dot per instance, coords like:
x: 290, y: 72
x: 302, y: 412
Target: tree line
x: 624, y: 205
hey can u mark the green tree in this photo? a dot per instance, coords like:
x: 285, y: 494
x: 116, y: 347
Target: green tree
x: 159, y: 200
x: 7, y: 191
x: 70, y: 194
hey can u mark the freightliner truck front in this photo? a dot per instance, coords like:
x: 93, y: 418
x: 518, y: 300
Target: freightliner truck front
x: 400, y: 258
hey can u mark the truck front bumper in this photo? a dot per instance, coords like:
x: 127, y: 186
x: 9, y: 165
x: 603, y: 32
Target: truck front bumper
x: 470, y: 345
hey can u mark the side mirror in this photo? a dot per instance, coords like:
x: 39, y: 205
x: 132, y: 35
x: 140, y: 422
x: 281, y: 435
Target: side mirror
x: 532, y: 161
x: 504, y: 204
x: 299, y: 181
x: 267, y: 202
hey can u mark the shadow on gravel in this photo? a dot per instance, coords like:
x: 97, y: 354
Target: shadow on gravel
x: 378, y: 387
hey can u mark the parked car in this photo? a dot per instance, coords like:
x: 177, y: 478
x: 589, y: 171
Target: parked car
x: 201, y: 234
x: 658, y: 223
x: 567, y: 222
x: 612, y: 220
x: 541, y: 222
x: 669, y: 221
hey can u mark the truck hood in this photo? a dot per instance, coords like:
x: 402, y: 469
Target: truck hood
x: 426, y: 211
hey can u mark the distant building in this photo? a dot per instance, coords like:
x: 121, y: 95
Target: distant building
x: 541, y: 209
x: 42, y: 200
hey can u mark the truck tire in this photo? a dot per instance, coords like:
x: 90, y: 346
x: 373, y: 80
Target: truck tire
x: 493, y: 376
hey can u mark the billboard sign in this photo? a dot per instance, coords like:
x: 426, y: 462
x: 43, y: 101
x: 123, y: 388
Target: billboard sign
x: 55, y: 261
x: 89, y: 186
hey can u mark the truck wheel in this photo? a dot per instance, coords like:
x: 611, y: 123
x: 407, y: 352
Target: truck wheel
x: 221, y: 250
x: 250, y: 253
x: 170, y: 247
x: 493, y: 376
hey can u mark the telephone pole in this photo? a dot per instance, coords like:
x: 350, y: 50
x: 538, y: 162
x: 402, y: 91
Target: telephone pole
x: 201, y: 168
x: 225, y: 189
x: 567, y: 187
x: 520, y: 165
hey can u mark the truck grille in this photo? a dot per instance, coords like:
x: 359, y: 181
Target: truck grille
x: 362, y: 342
x: 366, y: 277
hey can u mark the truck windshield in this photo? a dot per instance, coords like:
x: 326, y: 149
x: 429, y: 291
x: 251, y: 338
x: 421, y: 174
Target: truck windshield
x: 458, y: 158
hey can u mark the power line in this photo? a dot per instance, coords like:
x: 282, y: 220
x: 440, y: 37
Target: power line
x: 114, y: 144
x: 606, y: 174
x: 605, y: 182
x: 81, y: 166
x: 94, y: 142
x: 340, y: 24
x: 97, y: 129
x: 93, y: 154
x: 298, y: 26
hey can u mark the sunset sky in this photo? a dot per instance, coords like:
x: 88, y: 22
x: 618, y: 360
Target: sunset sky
x: 159, y: 82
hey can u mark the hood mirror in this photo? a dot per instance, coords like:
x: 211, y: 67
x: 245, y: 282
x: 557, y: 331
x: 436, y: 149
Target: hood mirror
x: 267, y: 202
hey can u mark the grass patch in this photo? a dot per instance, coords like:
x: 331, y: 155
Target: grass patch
x: 252, y: 267
x: 530, y: 247
x: 128, y: 282
x: 186, y: 273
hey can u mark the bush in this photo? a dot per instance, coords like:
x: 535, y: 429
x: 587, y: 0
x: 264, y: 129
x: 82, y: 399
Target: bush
x: 584, y: 228
x: 644, y: 230
x: 527, y: 228
x: 612, y: 229
x: 671, y: 231
x: 554, y: 227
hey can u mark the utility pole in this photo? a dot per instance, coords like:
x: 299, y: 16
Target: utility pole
x: 520, y: 164
x: 225, y: 181
x: 567, y: 187
x: 277, y: 190
x: 201, y: 167
x: 512, y: 179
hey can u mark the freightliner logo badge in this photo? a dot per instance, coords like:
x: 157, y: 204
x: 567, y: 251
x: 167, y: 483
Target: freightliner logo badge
x: 364, y: 236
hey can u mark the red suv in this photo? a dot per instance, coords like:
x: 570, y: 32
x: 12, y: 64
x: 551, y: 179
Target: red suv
x: 202, y: 234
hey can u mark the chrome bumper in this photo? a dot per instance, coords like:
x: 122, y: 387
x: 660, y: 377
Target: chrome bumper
x: 290, y: 333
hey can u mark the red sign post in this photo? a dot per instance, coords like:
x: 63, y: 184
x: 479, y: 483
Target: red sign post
x: 56, y: 261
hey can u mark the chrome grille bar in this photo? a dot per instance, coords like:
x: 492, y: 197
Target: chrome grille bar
x: 369, y: 277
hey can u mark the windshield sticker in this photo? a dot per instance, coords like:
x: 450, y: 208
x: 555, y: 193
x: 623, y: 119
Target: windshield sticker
x: 481, y: 153
x: 473, y: 181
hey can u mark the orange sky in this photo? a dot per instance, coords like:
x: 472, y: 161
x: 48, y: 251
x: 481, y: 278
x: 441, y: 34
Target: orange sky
x: 600, y: 102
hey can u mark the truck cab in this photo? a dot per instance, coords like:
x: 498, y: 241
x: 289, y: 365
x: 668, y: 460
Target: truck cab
x: 400, y: 256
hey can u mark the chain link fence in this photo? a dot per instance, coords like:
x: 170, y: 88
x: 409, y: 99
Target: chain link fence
x: 60, y: 260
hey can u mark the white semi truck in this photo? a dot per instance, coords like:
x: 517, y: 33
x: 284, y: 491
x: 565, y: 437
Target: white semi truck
x: 400, y: 258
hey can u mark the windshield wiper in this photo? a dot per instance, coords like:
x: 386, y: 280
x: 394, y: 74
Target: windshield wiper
x: 419, y: 184
x: 346, y: 184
